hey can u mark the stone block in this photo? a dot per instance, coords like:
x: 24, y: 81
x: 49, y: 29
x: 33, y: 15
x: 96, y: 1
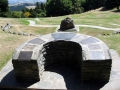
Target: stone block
x: 36, y: 41
x: 89, y: 40
x: 26, y: 70
x: 96, y: 70
x: 63, y: 36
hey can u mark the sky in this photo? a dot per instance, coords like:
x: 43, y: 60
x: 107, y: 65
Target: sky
x: 24, y: 1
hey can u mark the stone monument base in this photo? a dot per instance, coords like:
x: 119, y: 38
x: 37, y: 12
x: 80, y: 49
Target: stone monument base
x: 64, y: 78
x: 76, y: 29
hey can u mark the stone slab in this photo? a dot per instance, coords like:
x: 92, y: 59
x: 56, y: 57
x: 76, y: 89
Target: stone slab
x: 89, y: 40
x: 36, y: 41
x: 29, y: 47
x: 25, y: 55
x: 96, y: 55
x: 94, y: 47
x: 47, y: 37
x: 63, y: 36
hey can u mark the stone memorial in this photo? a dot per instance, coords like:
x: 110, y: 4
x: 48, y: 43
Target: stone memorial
x: 40, y: 59
x: 61, y: 60
x: 67, y: 25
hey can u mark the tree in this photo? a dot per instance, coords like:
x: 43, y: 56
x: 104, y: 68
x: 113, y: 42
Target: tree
x: 58, y: 7
x: 118, y: 3
x: 4, y: 8
x: 76, y: 6
x: 38, y: 6
x: 33, y: 14
x: 43, y: 7
x: 16, y: 14
x: 27, y: 14
x: 109, y: 4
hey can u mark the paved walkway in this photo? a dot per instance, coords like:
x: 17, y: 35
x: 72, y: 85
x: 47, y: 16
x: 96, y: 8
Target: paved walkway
x: 33, y: 23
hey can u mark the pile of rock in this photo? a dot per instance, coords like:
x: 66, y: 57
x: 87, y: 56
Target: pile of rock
x: 7, y: 28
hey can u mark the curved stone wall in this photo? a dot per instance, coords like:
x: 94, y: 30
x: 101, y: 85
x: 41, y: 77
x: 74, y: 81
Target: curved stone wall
x: 32, y: 57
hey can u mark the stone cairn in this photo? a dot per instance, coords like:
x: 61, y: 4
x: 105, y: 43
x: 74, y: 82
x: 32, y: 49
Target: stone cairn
x: 67, y: 25
x: 7, y: 28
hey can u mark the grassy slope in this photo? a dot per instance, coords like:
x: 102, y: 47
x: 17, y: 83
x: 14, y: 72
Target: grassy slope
x: 100, y: 18
x: 8, y: 42
x: 112, y: 41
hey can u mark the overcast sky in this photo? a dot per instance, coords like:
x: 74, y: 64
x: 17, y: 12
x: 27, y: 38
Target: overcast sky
x: 22, y: 1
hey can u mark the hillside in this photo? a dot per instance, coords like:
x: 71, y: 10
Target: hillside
x: 20, y: 6
x: 13, y: 2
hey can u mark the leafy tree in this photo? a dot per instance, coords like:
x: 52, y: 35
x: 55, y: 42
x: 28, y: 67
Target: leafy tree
x: 76, y: 6
x: 92, y: 4
x: 33, y: 14
x: 16, y: 14
x: 118, y: 3
x: 43, y: 7
x: 25, y: 10
x: 109, y: 4
x: 58, y: 7
x: 42, y: 14
x: 38, y: 6
x: 3, y: 7
x: 27, y: 14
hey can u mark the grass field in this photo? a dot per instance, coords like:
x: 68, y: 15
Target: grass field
x: 9, y: 42
x: 113, y: 41
x: 95, y: 17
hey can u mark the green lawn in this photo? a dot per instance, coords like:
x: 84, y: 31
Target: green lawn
x: 112, y: 40
x: 99, y: 18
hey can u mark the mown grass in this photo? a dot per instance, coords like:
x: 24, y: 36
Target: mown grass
x: 24, y: 21
x: 33, y: 30
x: 95, y: 17
x: 112, y: 40
x: 94, y: 32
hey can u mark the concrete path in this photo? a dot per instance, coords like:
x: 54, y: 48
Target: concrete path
x: 33, y: 23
